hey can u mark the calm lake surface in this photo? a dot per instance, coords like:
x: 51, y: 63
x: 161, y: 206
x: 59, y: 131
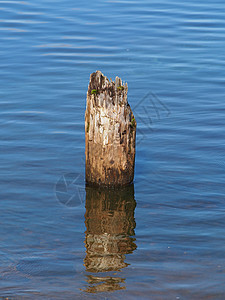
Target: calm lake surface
x: 163, y: 237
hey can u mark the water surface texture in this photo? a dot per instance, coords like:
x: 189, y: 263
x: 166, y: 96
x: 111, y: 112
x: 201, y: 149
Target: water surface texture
x: 164, y: 237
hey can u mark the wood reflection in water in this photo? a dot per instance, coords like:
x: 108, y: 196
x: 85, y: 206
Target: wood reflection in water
x: 110, y: 225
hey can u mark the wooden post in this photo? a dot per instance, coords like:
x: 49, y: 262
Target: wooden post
x: 110, y: 132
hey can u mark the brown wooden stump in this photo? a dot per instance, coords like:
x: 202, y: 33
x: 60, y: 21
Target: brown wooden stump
x: 110, y: 132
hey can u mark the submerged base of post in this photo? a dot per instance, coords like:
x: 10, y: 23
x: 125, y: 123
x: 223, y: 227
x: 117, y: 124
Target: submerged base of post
x: 110, y: 132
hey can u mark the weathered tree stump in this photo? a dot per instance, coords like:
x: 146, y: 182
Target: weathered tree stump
x: 110, y: 132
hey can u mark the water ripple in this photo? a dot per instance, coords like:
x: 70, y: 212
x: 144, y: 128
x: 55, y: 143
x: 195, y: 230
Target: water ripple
x: 171, y: 53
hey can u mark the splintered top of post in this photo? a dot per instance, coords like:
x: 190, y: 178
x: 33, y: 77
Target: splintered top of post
x: 100, y: 83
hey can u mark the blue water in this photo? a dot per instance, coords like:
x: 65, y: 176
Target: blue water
x: 172, y: 54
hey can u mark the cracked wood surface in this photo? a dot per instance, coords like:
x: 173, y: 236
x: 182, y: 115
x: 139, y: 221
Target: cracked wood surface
x: 110, y: 132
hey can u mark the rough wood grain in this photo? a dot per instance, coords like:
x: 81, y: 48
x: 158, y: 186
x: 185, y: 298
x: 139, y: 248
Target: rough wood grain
x: 110, y: 132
